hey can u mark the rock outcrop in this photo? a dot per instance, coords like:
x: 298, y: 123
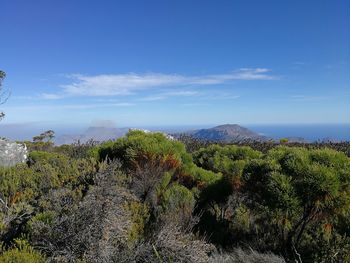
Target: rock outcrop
x: 12, y: 153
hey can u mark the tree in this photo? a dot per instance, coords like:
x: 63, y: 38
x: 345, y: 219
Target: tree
x: 4, y: 94
x: 284, y: 140
x: 47, y: 135
x: 295, y: 189
x: 228, y: 160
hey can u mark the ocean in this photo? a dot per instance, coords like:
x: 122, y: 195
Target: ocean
x: 310, y: 132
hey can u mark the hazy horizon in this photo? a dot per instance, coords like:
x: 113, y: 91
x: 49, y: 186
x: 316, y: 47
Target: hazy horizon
x: 309, y: 132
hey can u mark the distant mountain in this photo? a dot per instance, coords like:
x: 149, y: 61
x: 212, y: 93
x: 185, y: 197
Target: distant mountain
x: 296, y: 139
x: 95, y: 133
x: 227, y: 133
x: 66, y: 139
x: 329, y: 140
x: 104, y: 133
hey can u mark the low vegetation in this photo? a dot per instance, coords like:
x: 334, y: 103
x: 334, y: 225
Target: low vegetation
x: 146, y: 198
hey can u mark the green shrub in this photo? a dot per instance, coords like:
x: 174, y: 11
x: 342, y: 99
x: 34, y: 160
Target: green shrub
x: 228, y: 160
x: 178, y: 202
x: 296, y: 189
x: 137, y: 143
x: 139, y: 217
x: 222, y: 158
x: 20, y: 253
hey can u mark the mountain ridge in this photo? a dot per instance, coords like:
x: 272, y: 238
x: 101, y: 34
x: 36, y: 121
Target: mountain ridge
x: 97, y: 133
x: 227, y: 133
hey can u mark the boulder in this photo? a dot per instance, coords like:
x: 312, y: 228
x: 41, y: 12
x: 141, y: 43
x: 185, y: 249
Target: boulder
x: 12, y: 153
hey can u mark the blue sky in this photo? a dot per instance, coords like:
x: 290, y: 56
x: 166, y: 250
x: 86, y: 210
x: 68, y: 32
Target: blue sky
x: 184, y: 62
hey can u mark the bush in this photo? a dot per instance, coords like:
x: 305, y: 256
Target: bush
x: 137, y: 143
x: 170, y: 243
x: 21, y: 252
x: 79, y: 203
x: 296, y: 188
x: 245, y: 256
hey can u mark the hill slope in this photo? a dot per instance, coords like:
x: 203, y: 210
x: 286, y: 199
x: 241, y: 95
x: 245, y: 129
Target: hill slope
x: 227, y: 133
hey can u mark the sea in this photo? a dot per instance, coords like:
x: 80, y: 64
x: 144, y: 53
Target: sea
x: 310, y: 132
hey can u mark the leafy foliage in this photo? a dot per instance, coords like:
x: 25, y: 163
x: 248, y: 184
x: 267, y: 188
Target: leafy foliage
x: 21, y: 252
x: 297, y: 188
x: 147, y: 198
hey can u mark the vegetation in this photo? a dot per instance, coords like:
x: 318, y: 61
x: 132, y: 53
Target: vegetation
x: 264, y: 146
x: 3, y: 94
x: 47, y: 135
x: 147, y: 198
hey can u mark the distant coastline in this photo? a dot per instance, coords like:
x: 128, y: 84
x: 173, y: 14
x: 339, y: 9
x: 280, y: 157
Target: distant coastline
x: 310, y: 132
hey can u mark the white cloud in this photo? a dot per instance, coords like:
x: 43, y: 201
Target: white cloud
x: 309, y: 98
x: 165, y: 95
x: 194, y: 104
x: 91, y: 106
x: 153, y: 98
x: 224, y: 96
x: 23, y: 97
x: 51, y: 96
x: 70, y: 106
x: 126, y: 84
x: 185, y: 93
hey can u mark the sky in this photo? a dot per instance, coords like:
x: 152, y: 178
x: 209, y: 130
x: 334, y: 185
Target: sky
x: 184, y: 62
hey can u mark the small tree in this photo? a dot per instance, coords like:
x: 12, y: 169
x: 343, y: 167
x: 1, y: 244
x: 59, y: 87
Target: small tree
x: 296, y: 189
x: 284, y: 140
x: 47, y: 135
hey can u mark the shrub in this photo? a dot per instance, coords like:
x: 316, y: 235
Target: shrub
x: 178, y: 203
x: 245, y: 256
x: 171, y: 244
x: 21, y: 252
x: 137, y: 143
x: 296, y: 188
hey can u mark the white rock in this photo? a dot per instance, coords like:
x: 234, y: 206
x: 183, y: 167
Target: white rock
x: 12, y: 153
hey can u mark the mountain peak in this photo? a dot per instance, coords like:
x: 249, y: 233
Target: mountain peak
x: 227, y: 133
x: 227, y: 126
